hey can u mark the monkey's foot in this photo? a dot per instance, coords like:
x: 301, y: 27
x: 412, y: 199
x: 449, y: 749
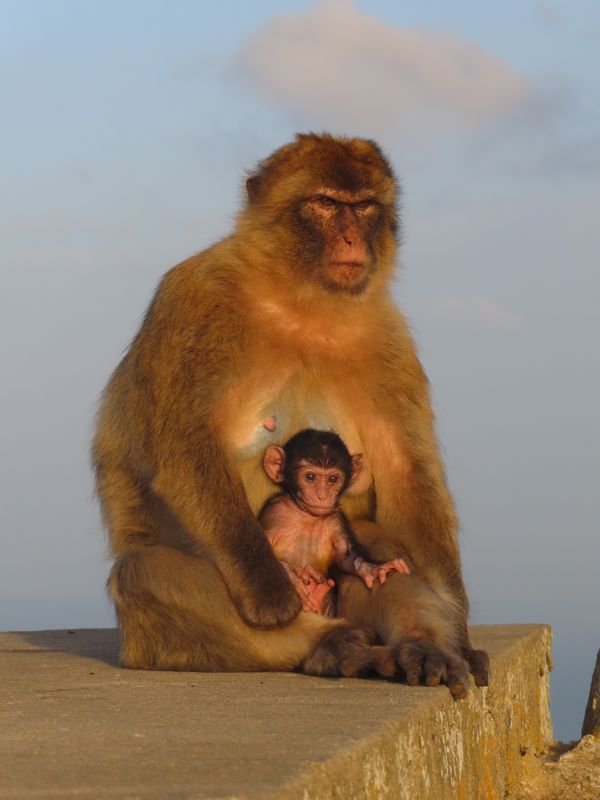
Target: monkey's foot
x: 377, y: 659
x: 422, y: 661
x: 348, y: 652
x: 479, y: 664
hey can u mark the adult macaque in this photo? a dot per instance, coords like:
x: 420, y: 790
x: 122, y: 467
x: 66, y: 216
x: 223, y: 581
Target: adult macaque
x: 289, y: 319
x: 308, y: 531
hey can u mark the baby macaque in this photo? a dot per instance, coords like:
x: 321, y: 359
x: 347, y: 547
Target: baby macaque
x: 304, y: 523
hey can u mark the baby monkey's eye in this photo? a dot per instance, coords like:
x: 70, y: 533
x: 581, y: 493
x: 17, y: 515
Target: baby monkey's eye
x: 333, y: 478
x: 309, y: 476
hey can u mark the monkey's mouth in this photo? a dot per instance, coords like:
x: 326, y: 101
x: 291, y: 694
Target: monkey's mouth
x: 317, y: 510
x: 347, y: 272
x: 352, y: 264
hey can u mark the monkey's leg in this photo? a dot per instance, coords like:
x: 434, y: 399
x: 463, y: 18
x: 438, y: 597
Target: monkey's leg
x: 422, y: 620
x: 175, y: 612
x: 409, y: 616
x: 124, y: 509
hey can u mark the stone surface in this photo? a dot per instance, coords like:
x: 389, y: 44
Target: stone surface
x: 563, y: 772
x: 591, y: 719
x: 74, y: 724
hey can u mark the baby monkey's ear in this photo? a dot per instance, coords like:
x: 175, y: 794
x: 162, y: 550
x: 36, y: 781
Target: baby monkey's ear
x: 357, y: 465
x: 274, y: 462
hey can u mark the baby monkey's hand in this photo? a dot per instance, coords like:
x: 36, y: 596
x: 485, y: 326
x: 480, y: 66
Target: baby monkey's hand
x: 371, y: 573
x: 313, y: 587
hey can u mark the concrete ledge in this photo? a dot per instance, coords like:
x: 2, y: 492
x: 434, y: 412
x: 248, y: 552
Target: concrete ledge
x: 73, y: 724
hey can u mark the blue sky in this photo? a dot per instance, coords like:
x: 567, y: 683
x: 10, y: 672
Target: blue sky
x: 126, y: 130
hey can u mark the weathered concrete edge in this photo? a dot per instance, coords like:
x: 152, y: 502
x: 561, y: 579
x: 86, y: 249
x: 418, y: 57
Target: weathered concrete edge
x: 447, y: 750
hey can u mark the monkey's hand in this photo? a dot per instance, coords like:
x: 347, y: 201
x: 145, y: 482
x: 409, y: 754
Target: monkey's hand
x: 372, y: 573
x: 309, y: 573
x: 313, y: 587
x: 268, y: 599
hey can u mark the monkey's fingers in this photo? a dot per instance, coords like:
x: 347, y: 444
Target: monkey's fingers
x: 479, y: 664
x: 305, y: 591
x: 400, y: 565
x: 317, y: 576
x: 434, y: 667
x: 410, y: 658
x: 300, y: 572
x: 309, y: 574
x: 423, y: 660
x: 457, y: 679
x: 382, y: 572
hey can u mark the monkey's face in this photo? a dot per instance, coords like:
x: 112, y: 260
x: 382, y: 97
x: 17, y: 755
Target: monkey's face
x: 337, y: 234
x: 326, y: 209
x: 317, y: 489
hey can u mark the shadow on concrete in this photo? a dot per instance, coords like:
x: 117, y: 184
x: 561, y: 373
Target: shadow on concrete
x: 100, y: 644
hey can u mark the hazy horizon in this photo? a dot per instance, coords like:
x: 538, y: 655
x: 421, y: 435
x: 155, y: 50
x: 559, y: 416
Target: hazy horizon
x: 128, y: 130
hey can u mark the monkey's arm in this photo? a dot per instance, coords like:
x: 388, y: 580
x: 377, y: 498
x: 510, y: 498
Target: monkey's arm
x: 414, y: 505
x: 413, y: 501
x: 349, y: 560
x: 188, y: 349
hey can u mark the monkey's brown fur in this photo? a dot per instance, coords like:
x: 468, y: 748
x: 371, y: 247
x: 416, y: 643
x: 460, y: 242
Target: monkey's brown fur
x: 270, y: 322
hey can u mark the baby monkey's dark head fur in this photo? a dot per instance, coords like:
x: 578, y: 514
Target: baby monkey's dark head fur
x: 314, y: 468
x: 322, y: 448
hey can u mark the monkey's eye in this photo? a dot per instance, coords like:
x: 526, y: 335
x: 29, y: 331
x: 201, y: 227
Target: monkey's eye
x: 323, y: 200
x: 364, y: 205
x: 309, y: 476
x: 333, y: 478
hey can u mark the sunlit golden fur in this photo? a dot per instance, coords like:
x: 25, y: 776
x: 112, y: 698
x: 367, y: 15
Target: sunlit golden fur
x: 259, y: 325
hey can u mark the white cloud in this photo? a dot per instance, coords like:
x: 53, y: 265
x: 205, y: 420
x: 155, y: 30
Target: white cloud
x: 336, y: 67
x: 477, y: 311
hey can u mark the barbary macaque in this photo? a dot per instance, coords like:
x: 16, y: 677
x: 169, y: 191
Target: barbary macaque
x: 289, y: 319
x: 304, y: 523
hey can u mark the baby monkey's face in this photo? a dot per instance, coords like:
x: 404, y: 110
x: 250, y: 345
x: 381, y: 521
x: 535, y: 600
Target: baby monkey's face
x: 318, y: 488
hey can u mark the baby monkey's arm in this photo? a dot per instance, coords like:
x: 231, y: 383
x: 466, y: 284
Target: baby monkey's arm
x: 348, y: 560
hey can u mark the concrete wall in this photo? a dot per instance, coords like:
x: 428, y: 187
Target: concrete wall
x: 72, y: 723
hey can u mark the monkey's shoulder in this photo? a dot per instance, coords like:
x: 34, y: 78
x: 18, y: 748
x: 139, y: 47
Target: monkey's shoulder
x: 201, y: 281
x: 272, y: 506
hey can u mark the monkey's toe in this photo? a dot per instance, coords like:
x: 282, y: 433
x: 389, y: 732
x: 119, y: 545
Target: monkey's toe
x: 410, y: 657
x: 434, y: 668
x: 479, y: 664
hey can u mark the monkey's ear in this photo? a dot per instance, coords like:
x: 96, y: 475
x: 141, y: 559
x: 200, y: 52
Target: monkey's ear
x: 253, y: 187
x: 357, y: 466
x: 274, y: 462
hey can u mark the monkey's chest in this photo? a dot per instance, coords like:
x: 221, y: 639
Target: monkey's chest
x: 306, y: 544
x: 270, y: 413
x: 269, y: 406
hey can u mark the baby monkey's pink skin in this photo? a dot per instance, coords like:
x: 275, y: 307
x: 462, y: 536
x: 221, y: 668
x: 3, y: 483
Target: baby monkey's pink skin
x: 309, y: 532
